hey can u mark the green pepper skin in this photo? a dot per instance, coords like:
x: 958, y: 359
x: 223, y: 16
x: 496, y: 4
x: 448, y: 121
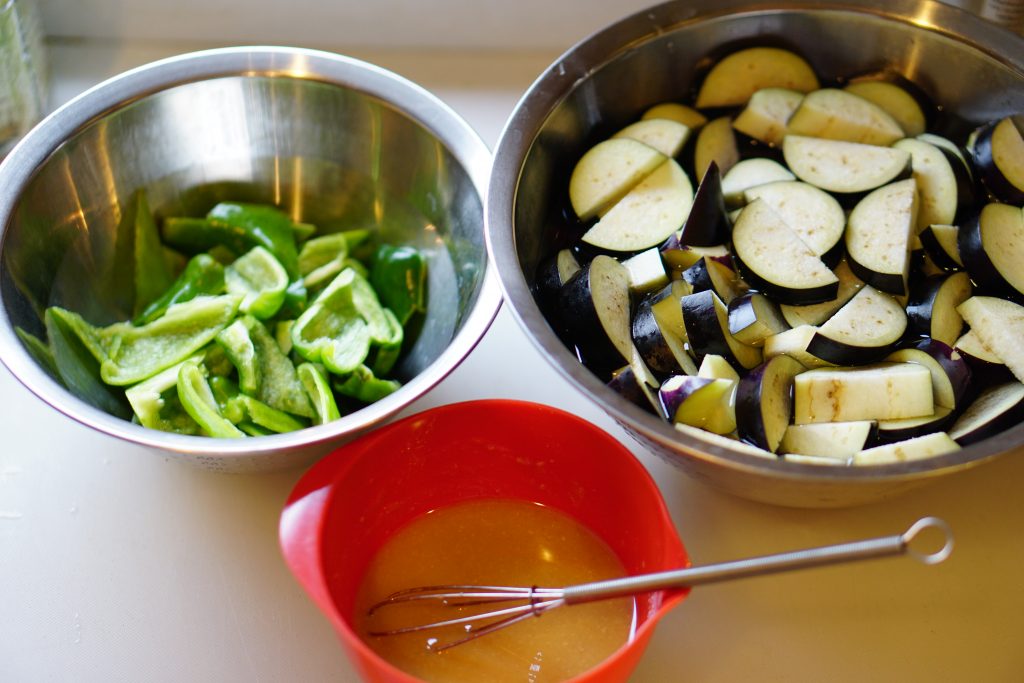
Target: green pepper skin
x: 314, y: 381
x: 398, y: 274
x: 156, y: 403
x: 152, y: 272
x: 261, y: 279
x: 279, y: 385
x: 197, y: 398
x: 363, y: 386
x: 77, y: 365
x: 203, y: 276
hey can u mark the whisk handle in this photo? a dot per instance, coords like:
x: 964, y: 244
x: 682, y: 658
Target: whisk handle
x: 886, y: 546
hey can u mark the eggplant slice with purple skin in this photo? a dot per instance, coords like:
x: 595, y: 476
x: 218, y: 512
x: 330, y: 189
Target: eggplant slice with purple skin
x: 708, y: 222
x: 764, y: 403
x: 754, y: 317
x: 813, y: 214
x: 715, y: 143
x: 835, y: 114
x: 829, y: 439
x: 1000, y: 326
x: 997, y: 408
x: 900, y: 97
x: 847, y: 169
x: 699, y: 402
x: 931, y: 309
x: 707, y: 329
x: 940, y: 244
x: 883, y: 391
x: 927, y: 446
x: 992, y: 248
x: 998, y: 153
x: 951, y: 375
x: 845, y: 339
x: 765, y: 116
x: 879, y: 234
x: 736, y: 77
x: 594, y: 306
x: 627, y: 384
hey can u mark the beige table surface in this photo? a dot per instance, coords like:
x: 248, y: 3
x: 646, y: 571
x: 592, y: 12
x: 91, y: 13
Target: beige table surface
x: 119, y: 565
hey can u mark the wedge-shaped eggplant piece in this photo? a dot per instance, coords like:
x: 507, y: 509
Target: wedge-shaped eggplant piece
x: 841, y: 115
x: 814, y: 215
x: 1000, y: 326
x: 707, y: 328
x: 716, y: 142
x: 735, y: 78
x: 879, y: 233
x: 714, y: 274
x: 931, y: 310
x: 678, y: 256
x: 552, y: 273
x: 992, y: 248
x: 862, y: 331
x: 667, y: 306
x: 627, y: 384
x: 664, y: 135
x: 970, y: 346
x: 754, y: 317
x: 707, y: 223
x: 895, y: 99
x: 764, y: 404
x: 765, y: 116
x: 937, y: 182
x: 998, y: 153
x: 997, y: 408
x: 772, y: 258
x: 940, y: 244
x: 844, y: 167
x: 608, y: 171
x: 659, y: 345
x: 838, y: 440
x: 646, y: 271
x: 951, y: 376
x: 884, y: 391
x: 680, y: 113
x: 646, y: 216
x: 890, y: 431
x: 927, y: 446
x: 815, y: 314
x: 794, y: 343
x: 700, y: 402
x: 594, y: 305
x: 751, y: 173
x: 717, y: 367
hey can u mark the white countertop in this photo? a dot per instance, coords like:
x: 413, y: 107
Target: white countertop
x: 117, y: 564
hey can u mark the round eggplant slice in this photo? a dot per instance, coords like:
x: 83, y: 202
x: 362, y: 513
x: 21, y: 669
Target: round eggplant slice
x: 664, y: 135
x: 707, y: 223
x: 992, y: 248
x: 931, y: 310
x: 842, y: 115
x: 715, y: 142
x: 751, y: 173
x: 998, y: 153
x: 736, y: 77
x: 927, y: 446
x: 765, y: 116
x: 846, y: 168
x: 896, y: 100
x: 862, y: 331
x: 764, y: 403
x: 647, y: 215
x: 996, y: 409
x: 608, y: 171
x: 940, y: 244
x: 951, y: 376
x: 813, y: 214
x: 773, y: 259
x: 594, y: 306
x: 879, y: 233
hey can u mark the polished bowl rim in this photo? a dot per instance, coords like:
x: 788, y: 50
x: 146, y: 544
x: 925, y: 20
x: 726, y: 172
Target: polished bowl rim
x: 413, y: 101
x: 602, y: 47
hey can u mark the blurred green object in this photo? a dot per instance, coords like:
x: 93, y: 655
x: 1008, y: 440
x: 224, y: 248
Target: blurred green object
x: 23, y: 74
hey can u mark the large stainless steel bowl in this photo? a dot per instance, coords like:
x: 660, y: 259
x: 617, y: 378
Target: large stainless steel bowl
x: 333, y: 140
x: 973, y: 68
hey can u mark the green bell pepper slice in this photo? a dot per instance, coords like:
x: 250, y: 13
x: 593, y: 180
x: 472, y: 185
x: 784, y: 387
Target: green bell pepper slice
x: 332, y: 331
x: 203, y: 276
x: 314, y: 381
x: 261, y: 281
x: 156, y: 404
x: 253, y: 429
x: 197, y: 398
x: 241, y: 351
x: 387, y: 352
x: 262, y: 415
x: 322, y: 251
x: 228, y: 398
x: 363, y: 386
x: 399, y: 275
x: 279, y: 385
x: 152, y: 272
x: 75, y: 346
x: 137, y: 353
x: 40, y: 351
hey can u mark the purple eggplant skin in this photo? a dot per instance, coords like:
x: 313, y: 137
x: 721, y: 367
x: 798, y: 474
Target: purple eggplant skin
x: 757, y: 388
x: 785, y: 295
x: 676, y: 389
x: 966, y: 189
x: 703, y: 330
x: 1005, y: 420
x: 708, y: 223
x: 752, y: 148
x: 979, y: 266
x: 952, y: 363
x: 650, y: 342
x: 990, y: 174
x: 840, y: 353
x: 625, y: 383
x: 582, y: 324
x: 939, y: 424
x: 921, y: 305
x: 887, y: 282
x: 935, y: 251
x: 698, y: 276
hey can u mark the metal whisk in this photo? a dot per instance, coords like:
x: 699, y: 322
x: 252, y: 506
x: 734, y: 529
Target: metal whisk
x: 534, y: 601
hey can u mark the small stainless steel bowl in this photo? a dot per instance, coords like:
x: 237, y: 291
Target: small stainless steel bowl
x: 971, y: 67
x: 333, y: 140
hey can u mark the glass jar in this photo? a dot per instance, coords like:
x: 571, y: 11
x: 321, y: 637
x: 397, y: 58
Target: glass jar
x: 22, y: 70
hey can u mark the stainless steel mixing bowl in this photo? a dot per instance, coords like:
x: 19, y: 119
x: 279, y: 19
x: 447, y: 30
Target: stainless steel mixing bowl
x: 335, y: 141
x: 973, y: 68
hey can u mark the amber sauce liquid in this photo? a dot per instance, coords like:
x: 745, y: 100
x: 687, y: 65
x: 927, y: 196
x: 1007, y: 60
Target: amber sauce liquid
x: 495, y: 542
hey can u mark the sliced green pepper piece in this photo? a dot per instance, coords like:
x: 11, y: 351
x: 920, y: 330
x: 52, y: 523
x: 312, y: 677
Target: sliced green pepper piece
x: 216, y: 361
x: 228, y: 398
x: 138, y: 353
x: 261, y: 280
x: 295, y: 299
x: 279, y: 384
x: 322, y: 251
x: 241, y: 351
x: 399, y: 275
x: 364, y: 386
x: 386, y: 354
x: 332, y: 330
x: 196, y: 396
x: 152, y: 274
x: 262, y: 415
x: 95, y: 339
x: 203, y: 276
x: 253, y: 429
x: 77, y: 365
x: 156, y: 404
x: 319, y: 391
x: 369, y: 307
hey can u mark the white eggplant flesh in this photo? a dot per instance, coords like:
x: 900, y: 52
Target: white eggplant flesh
x: 1000, y: 326
x: 936, y: 182
x: 998, y: 152
x: 895, y: 101
x: 764, y: 403
x: 607, y: 171
x: 842, y: 115
x: 664, y: 135
x: 828, y: 439
x: 680, y: 113
x: 765, y: 116
x: 992, y: 248
x: 716, y: 142
x: 717, y: 367
x: 751, y: 173
x: 879, y: 233
x: 754, y: 317
x: 931, y: 309
x: 884, y: 391
x: 816, y: 314
x: 844, y: 167
x: 813, y: 214
x: 951, y: 376
x: 794, y: 342
x: 862, y: 331
x: 995, y: 409
x: 646, y: 271
x: 724, y: 442
x: 699, y: 402
x: 940, y: 243
x: 927, y: 446
x: 736, y: 77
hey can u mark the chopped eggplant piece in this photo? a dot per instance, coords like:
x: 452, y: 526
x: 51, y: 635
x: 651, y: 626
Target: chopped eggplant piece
x: 998, y: 153
x: 862, y: 331
x: 717, y: 367
x: 927, y: 446
x: 700, y: 402
x: 996, y: 408
x: 894, y: 99
x: 664, y: 135
x: 841, y: 115
x: 816, y: 314
x: 764, y: 404
x: 1000, y: 326
x: 646, y: 271
x: 847, y: 168
x: 754, y: 317
x: 607, y: 172
x: 707, y: 224
x: 940, y: 244
x: 794, y: 343
x: 707, y: 328
x: 594, y: 304
x: 879, y: 233
x: 678, y: 257
x: 735, y: 78
x: 627, y: 384
x: 751, y: 173
x: 828, y: 439
x: 716, y: 142
x: 891, y: 431
x: 992, y: 248
x: 765, y: 116
x: 951, y: 376
x: 931, y: 310
x: 884, y: 391
x: 814, y: 215
x: 680, y: 113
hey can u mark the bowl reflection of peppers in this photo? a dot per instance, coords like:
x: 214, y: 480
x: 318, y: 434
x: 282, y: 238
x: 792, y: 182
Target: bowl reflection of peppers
x: 266, y: 329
